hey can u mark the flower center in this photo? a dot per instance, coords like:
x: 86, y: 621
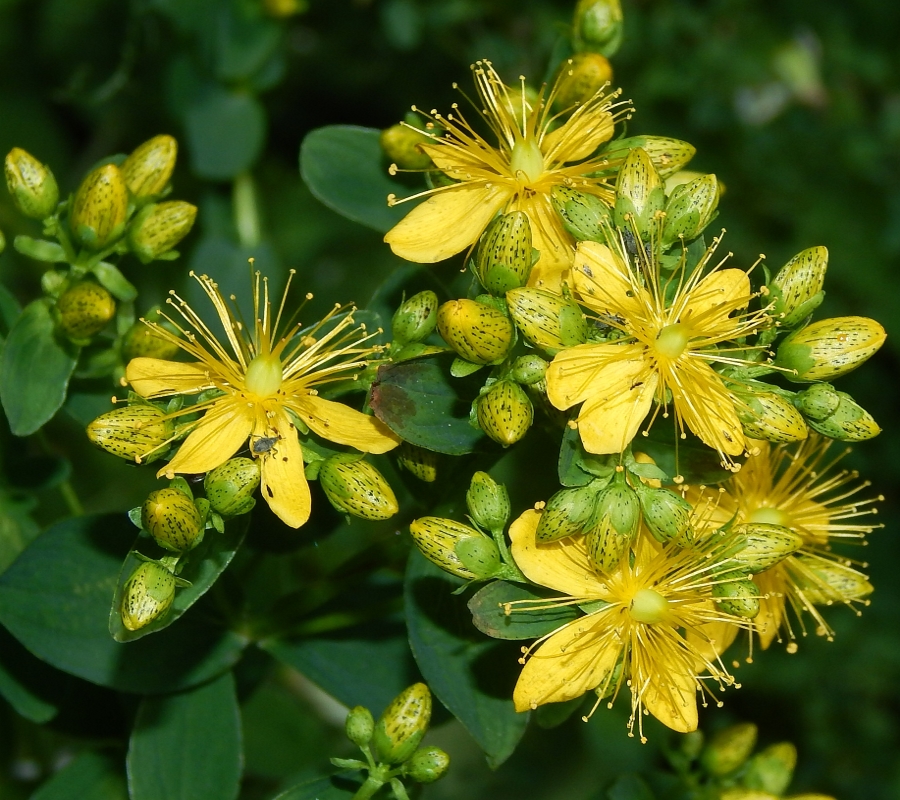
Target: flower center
x: 672, y: 340
x: 649, y: 606
x: 770, y: 516
x: 263, y: 375
x: 526, y: 158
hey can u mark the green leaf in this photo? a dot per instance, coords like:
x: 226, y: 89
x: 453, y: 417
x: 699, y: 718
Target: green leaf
x: 569, y: 468
x: 187, y: 746
x: 472, y: 676
x: 490, y: 617
x: 10, y: 309
x: 344, y: 168
x: 21, y: 679
x: 55, y: 600
x: 115, y: 282
x: 17, y: 528
x: 335, y: 787
x: 202, y: 567
x: 419, y: 401
x: 90, y: 776
x: 34, y: 370
x: 688, y: 457
x: 629, y: 787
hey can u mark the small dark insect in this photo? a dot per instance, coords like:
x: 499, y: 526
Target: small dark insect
x: 265, y: 444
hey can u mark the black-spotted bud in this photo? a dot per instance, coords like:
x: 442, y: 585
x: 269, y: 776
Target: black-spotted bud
x: 359, y: 726
x: 149, y: 167
x: 172, y: 519
x: 504, y: 412
x: 477, y: 332
x: 766, y: 415
x: 99, y: 208
x: 403, y: 724
x: 639, y: 190
x: 488, y: 502
x: 353, y: 486
x: 479, y: 555
x: 445, y: 542
x: 729, y: 749
x: 824, y: 582
x: 829, y: 348
x: 528, y: 369
x: 31, y: 184
x: 566, y: 513
x: 230, y: 487
x: 580, y: 78
x: 796, y: 291
x: 142, y: 340
x: 420, y: 462
x: 84, y: 310
x: 147, y: 595
x: 132, y: 432
x: 614, y: 526
x: 157, y: 228
x: 690, y: 209
x: 585, y: 216
x: 598, y: 26
x: 772, y: 769
x: 740, y: 597
x: 836, y: 414
x: 503, y: 259
x: 402, y: 144
x: 427, y: 764
x: 546, y: 319
x: 416, y: 318
x: 761, y: 545
x: 667, y: 515
x: 668, y: 155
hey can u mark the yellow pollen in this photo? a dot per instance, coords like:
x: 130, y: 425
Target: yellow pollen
x: 649, y: 606
x: 672, y: 340
x: 527, y: 160
x: 770, y: 516
x: 264, y: 375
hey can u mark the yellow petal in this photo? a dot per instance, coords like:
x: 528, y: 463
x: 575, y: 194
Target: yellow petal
x: 343, y: 425
x: 462, y: 163
x: 571, y: 662
x: 712, y: 300
x: 772, y: 586
x: 217, y: 437
x: 549, y: 238
x: 671, y: 694
x: 283, y: 485
x: 447, y: 222
x: 154, y: 377
x: 579, y: 137
x: 706, y: 406
x: 710, y: 640
x: 602, y: 280
x: 562, y: 565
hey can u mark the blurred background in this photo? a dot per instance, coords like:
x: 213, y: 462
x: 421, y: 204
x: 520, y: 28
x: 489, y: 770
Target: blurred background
x: 794, y: 104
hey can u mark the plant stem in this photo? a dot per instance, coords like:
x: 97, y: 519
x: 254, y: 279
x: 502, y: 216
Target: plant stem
x: 71, y: 499
x: 368, y: 789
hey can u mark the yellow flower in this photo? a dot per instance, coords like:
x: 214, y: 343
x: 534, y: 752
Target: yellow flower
x: 267, y: 384
x: 651, y: 632
x: 668, y: 344
x: 531, y: 158
x: 799, y: 487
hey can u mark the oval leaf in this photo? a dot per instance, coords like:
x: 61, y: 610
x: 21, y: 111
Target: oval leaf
x: 490, y: 616
x: 334, y: 787
x: 91, y: 776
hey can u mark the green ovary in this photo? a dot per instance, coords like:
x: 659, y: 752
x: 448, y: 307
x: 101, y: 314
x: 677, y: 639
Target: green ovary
x: 649, y: 606
x: 526, y: 158
x: 770, y: 516
x: 672, y: 340
x: 263, y: 375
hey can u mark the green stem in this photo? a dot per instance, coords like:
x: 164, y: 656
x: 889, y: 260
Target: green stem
x: 246, y: 210
x: 512, y: 571
x: 368, y: 789
x: 71, y: 499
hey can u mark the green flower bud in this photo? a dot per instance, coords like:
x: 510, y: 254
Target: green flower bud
x: 639, y: 190
x: 762, y: 545
x: 478, y: 333
x: 230, y: 487
x: 598, y: 26
x: 403, y: 145
x: 585, y: 216
x: 836, y: 414
x: 415, y: 319
x: 353, y: 486
x: 825, y: 582
x: 766, y: 415
x: 739, y: 597
x: 479, y: 555
x: 149, y: 167
x: 546, y: 319
x: 567, y: 513
x: 403, y: 724
x: 158, y: 227
x: 667, y: 155
x: 691, y: 743
x: 667, y: 515
x: 84, y: 310
x: 420, y: 462
x: 772, y: 769
x: 427, y: 764
x: 829, y: 348
x: 359, y: 726
x: 818, y: 402
x: 503, y: 259
x: 2, y: 242
x: 796, y: 290
x: 438, y: 538
x: 172, y: 519
x: 98, y: 212
x: 131, y: 432
x: 31, y: 184
x: 580, y: 78
x: 488, y: 502
x: 617, y: 517
x: 147, y: 595
x: 504, y: 412
x: 142, y: 341
x: 690, y: 209
x: 528, y: 370
x: 729, y: 749
x: 281, y: 9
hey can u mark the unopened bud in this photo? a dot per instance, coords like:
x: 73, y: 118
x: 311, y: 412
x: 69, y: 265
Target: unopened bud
x: 762, y: 545
x: 796, y: 290
x: 149, y: 167
x: 99, y: 208
x: 403, y: 724
x: 690, y: 209
x: 438, y: 539
x: 85, y: 309
x: 415, y: 319
x: 729, y: 749
x: 142, y: 341
x: 829, y: 348
x: 772, y: 769
x: 147, y: 595
x: 403, y: 145
x: 667, y: 155
x: 131, y: 432
x: 639, y: 190
x: 546, y: 319
x: 354, y: 486
x: 739, y: 597
x: 478, y: 333
x: 528, y: 369
x: 580, y: 78
x: 157, y: 228
x: 479, y: 555
x: 667, y: 515
x: 31, y: 184
x: 585, y: 216
x: 503, y: 258
x: 836, y: 414
x: 823, y: 582
x: 766, y: 415
x: 172, y: 519
x: 504, y: 412
x: 230, y: 487
x: 566, y: 513
x: 617, y: 516
x: 420, y: 462
x: 488, y: 502
x: 598, y: 26
x: 359, y: 725
x: 427, y: 764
